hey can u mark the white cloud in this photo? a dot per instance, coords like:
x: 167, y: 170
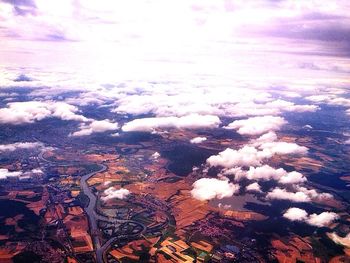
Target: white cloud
x: 344, y: 241
x: 210, y: 188
x: 20, y: 145
x: 267, y: 172
x: 37, y: 171
x: 257, y: 125
x: 292, y: 178
x: 197, y: 140
x: 267, y: 137
x: 5, y: 174
x: 273, y: 107
x: 254, y: 187
x: 193, y: 121
x: 323, y: 219
x: 31, y: 111
x: 106, y: 183
x: 318, y: 98
x: 295, y: 214
x: 283, y: 194
x: 272, y: 148
x: 301, y: 194
x: 308, y: 127
x: 156, y: 155
x: 111, y: 193
x: 320, y: 220
x: 312, y: 193
x: 96, y: 127
x: 246, y: 156
x: 331, y: 99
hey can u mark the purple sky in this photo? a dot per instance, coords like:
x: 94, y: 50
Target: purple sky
x: 270, y: 42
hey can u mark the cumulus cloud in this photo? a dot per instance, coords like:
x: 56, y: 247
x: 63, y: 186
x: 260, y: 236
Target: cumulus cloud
x: 193, y: 121
x: 267, y: 137
x: 251, y: 156
x: 273, y: 107
x: 301, y: 194
x: 323, y: 219
x: 283, y: 194
x: 20, y: 145
x: 5, y: 173
x: 156, y: 155
x: 292, y: 178
x: 31, y: 111
x: 272, y: 148
x: 111, y: 193
x: 246, y: 156
x: 331, y: 99
x: 320, y: 220
x: 267, y: 172
x: 295, y: 214
x: 96, y: 127
x: 257, y: 125
x: 37, y: 171
x: 210, y: 188
x: 254, y: 187
x: 344, y: 241
x: 312, y: 193
x: 197, y: 140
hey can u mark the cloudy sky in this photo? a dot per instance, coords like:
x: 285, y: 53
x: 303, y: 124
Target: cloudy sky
x: 224, y: 42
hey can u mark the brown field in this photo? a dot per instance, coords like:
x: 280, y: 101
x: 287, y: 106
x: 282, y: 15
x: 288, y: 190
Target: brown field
x: 339, y: 259
x: 9, y: 250
x: 20, y: 196
x: 305, y: 163
x: 187, y: 210
x: 160, y: 190
x: 242, y: 215
x: 77, y: 225
x: 71, y: 260
x: 202, y: 245
x: 115, y: 173
x: 293, y: 249
x: 4, y: 237
x: 131, y: 250
x: 13, y: 221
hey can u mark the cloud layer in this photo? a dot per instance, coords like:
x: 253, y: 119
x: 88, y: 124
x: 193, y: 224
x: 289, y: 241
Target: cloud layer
x: 19, y: 146
x: 31, y: 111
x: 194, y: 121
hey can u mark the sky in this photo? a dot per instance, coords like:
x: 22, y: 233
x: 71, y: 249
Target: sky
x: 218, y: 42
